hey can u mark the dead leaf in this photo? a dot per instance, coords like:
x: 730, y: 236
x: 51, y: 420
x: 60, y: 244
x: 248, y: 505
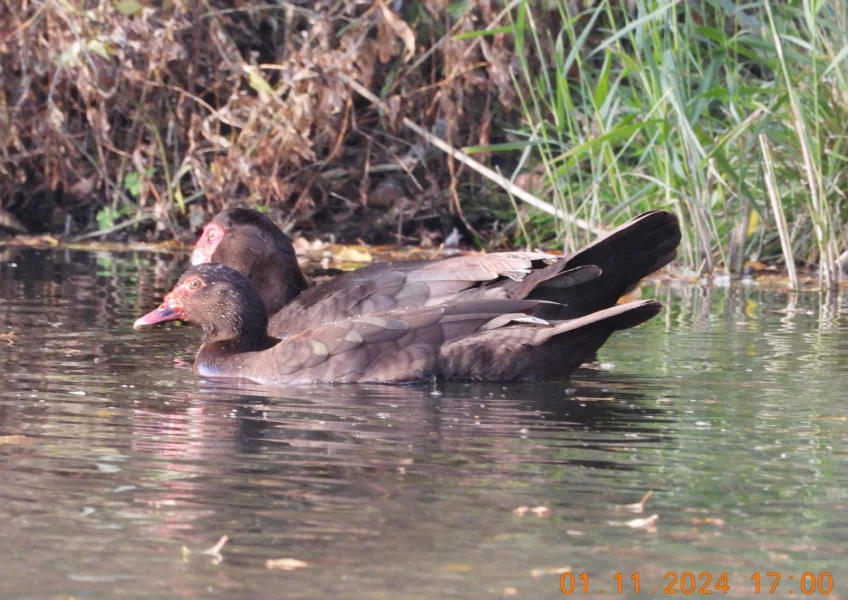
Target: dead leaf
x: 285, y: 564
x: 386, y: 42
x: 458, y: 568
x: 82, y: 189
x: 304, y: 246
x: 349, y: 254
x: 215, y: 551
x: 15, y: 440
x: 639, y: 507
x: 708, y: 521
x: 542, y: 571
x: 539, y: 511
x: 401, y: 29
x: 395, y: 112
x: 499, y: 59
x: 648, y: 523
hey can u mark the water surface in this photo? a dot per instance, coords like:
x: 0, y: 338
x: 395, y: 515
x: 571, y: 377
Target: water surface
x: 119, y: 468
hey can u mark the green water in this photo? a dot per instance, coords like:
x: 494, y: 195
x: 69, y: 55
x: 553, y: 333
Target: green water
x: 119, y: 468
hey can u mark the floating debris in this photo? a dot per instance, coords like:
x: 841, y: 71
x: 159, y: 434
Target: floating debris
x: 648, y: 523
x: 708, y: 521
x: 539, y: 511
x: 351, y: 254
x: 15, y: 440
x: 285, y: 564
x: 542, y: 571
x: 214, y: 551
x: 639, y: 507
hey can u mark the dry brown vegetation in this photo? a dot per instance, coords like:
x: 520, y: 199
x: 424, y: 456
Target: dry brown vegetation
x: 142, y: 118
x: 125, y: 112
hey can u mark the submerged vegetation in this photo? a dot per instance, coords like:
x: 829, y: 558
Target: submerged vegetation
x: 143, y: 118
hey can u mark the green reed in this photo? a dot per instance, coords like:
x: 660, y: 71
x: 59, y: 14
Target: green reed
x: 664, y: 106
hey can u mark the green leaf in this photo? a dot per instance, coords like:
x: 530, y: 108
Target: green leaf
x: 835, y: 62
x: 128, y: 7
x: 98, y: 47
x: 458, y: 9
x: 473, y: 34
x: 619, y: 134
x: 257, y: 82
x: 635, y: 24
x: 601, y: 89
x: 105, y: 218
x: 178, y: 196
x: 132, y: 183
x: 69, y: 56
x: 507, y: 147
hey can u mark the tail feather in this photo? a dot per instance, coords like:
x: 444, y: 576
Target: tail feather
x: 527, y: 352
x: 627, y: 255
x: 548, y: 283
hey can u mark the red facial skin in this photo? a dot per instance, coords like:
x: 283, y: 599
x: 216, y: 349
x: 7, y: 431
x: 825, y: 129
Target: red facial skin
x: 207, y: 244
x: 171, y: 308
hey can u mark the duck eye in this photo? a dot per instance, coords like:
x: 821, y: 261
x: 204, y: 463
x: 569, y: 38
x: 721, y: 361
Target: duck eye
x: 211, y: 234
x: 193, y: 284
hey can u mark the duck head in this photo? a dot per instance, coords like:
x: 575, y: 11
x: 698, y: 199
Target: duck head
x: 253, y: 245
x: 218, y: 299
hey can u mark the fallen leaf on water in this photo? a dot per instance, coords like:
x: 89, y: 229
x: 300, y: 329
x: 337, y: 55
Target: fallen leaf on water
x: 708, y: 521
x: 648, y: 523
x: 777, y: 556
x: 639, y: 506
x: 214, y: 551
x: 458, y: 568
x: 304, y: 246
x: 286, y: 564
x: 16, y: 440
x: 349, y: 254
x: 539, y: 511
x: 542, y: 571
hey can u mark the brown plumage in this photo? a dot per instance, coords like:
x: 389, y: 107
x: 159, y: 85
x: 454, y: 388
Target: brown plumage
x: 592, y: 279
x: 492, y: 339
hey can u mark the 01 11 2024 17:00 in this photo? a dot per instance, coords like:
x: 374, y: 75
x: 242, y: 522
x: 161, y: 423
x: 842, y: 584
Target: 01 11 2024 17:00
x: 688, y: 583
